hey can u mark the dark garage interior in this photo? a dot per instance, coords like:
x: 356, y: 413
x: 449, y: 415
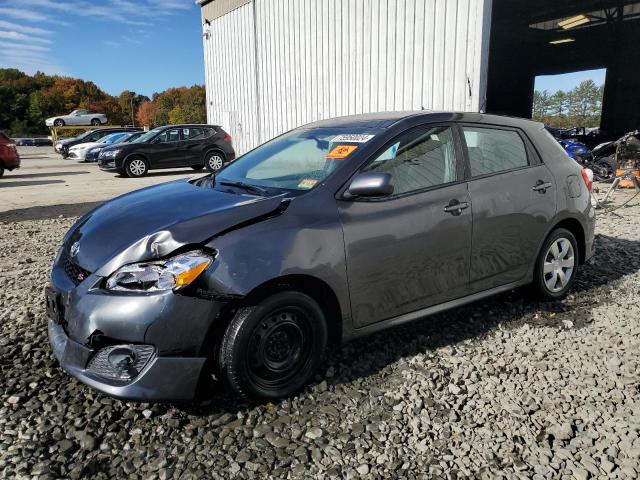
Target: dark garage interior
x: 586, y: 34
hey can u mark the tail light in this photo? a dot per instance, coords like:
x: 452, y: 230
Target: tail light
x: 587, y: 176
x: 227, y: 138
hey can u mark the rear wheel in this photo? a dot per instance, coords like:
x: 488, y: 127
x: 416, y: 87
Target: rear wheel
x: 197, y: 167
x: 271, y: 350
x: 136, y: 167
x: 557, y: 265
x: 214, y: 161
x: 95, y: 122
x: 58, y: 122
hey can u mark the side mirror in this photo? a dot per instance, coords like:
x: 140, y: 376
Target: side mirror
x: 370, y: 184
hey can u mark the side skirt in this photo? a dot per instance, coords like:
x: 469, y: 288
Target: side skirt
x: 425, y: 312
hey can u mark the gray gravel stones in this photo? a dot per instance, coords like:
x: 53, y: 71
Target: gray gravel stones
x: 506, y: 388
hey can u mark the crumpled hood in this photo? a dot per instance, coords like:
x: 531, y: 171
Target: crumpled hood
x: 155, y: 221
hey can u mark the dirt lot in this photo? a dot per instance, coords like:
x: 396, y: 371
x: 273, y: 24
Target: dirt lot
x: 507, y: 387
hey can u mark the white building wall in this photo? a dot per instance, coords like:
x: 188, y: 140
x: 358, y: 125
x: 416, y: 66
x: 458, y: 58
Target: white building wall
x: 315, y: 59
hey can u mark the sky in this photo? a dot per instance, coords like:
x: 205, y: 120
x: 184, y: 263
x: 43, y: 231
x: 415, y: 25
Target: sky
x: 567, y: 81
x: 142, y: 45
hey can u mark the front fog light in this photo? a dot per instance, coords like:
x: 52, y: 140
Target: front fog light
x: 120, y: 362
x: 171, y: 274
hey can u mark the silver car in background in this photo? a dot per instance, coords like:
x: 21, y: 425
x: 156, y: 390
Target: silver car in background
x: 78, y: 117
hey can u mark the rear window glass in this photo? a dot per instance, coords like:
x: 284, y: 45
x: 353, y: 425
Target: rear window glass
x: 494, y: 150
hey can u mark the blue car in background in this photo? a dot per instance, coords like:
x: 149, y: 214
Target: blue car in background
x: 577, y: 150
x: 92, y: 155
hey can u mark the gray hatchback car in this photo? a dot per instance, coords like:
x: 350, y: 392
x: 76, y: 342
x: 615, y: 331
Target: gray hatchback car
x: 329, y: 232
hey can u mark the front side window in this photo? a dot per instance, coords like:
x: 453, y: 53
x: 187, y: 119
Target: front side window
x: 168, y: 136
x: 420, y: 158
x: 494, y: 150
x: 297, y: 160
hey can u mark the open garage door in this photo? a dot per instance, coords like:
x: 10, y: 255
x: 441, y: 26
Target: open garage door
x: 547, y: 37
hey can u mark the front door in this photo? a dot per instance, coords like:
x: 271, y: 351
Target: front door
x: 166, y: 149
x: 410, y: 250
x: 513, y: 198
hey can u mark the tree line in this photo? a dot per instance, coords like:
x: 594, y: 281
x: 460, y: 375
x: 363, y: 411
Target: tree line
x: 579, y: 107
x: 27, y: 100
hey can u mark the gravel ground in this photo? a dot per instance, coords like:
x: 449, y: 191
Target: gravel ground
x: 502, y: 388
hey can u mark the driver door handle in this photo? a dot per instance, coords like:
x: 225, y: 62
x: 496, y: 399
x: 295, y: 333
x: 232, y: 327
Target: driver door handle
x: 455, y: 207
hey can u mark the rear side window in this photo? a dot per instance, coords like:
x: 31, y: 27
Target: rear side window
x: 420, y: 158
x: 193, y: 133
x: 493, y: 150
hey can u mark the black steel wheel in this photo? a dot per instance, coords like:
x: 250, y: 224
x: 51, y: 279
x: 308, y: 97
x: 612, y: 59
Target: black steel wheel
x: 271, y: 350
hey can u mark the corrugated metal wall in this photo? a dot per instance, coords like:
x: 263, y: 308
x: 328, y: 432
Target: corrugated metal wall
x: 230, y: 76
x: 317, y: 59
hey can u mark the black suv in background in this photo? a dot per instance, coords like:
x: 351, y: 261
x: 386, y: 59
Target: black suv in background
x: 63, y: 146
x: 195, y: 146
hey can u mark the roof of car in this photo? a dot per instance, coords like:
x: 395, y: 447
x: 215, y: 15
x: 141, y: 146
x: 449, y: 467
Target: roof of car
x: 386, y: 119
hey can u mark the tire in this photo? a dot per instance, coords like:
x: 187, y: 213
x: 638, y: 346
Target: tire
x: 95, y: 122
x: 214, y: 161
x: 136, y: 167
x: 1, y: 172
x: 197, y: 167
x: 271, y: 350
x: 559, y: 253
x: 604, y: 168
x: 58, y: 122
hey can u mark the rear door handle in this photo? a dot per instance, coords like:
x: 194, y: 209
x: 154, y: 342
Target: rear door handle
x: 541, y: 186
x: 455, y: 207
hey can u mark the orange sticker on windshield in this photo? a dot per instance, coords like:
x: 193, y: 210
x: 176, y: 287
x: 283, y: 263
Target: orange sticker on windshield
x: 341, y: 151
x: 307, y: 183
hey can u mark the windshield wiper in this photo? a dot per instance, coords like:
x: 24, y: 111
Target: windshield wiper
x: 245, y: 186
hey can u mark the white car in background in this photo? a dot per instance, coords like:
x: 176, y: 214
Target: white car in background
x: 78, y: 117
x: 79, y: 152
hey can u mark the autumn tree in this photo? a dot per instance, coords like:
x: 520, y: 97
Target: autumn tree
x: 146, y: 114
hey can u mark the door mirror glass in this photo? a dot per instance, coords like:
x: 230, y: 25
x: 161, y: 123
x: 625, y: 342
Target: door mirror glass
x: 370, y: 184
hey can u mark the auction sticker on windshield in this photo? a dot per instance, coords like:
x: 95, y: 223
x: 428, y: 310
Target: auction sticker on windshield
x: 341, y: 151
x: 307, y: 183
x: 353, y: 138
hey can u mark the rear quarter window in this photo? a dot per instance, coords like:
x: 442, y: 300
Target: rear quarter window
x: 493, y: 150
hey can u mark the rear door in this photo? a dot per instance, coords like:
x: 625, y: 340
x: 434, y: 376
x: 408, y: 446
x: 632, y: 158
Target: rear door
x: 192, y: 143
x: 405, y: 252
x: 513, y: 199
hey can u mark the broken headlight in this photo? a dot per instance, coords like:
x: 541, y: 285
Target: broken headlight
x: 171, y: 274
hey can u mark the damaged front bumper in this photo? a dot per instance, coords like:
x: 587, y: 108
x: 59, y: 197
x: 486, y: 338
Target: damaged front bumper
x: 133, y: 347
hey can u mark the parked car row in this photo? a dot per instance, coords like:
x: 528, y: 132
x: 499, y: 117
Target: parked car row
x: 133, y: 152
x: 9, y: 158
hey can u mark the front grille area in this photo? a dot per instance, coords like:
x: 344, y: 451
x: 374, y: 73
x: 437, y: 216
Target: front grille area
x: 121, y: 362
x: 74, y: 272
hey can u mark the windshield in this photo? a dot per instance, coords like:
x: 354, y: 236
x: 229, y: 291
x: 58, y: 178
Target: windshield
x: 147, y: 136
x: 297, y: 160
x: 111, y: 138
x: 129, y: 137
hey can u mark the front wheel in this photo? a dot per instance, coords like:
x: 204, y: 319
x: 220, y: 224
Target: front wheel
x: 197, y: 167
x: 58, y: 122
x: 214, y: 161
x: 556, y: 265
x: 271, y: 350
x: 136, y: 167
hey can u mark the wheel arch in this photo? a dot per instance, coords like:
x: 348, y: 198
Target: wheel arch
x: 136, y: 154
x: 576, y: 228
x: 213, y: 150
